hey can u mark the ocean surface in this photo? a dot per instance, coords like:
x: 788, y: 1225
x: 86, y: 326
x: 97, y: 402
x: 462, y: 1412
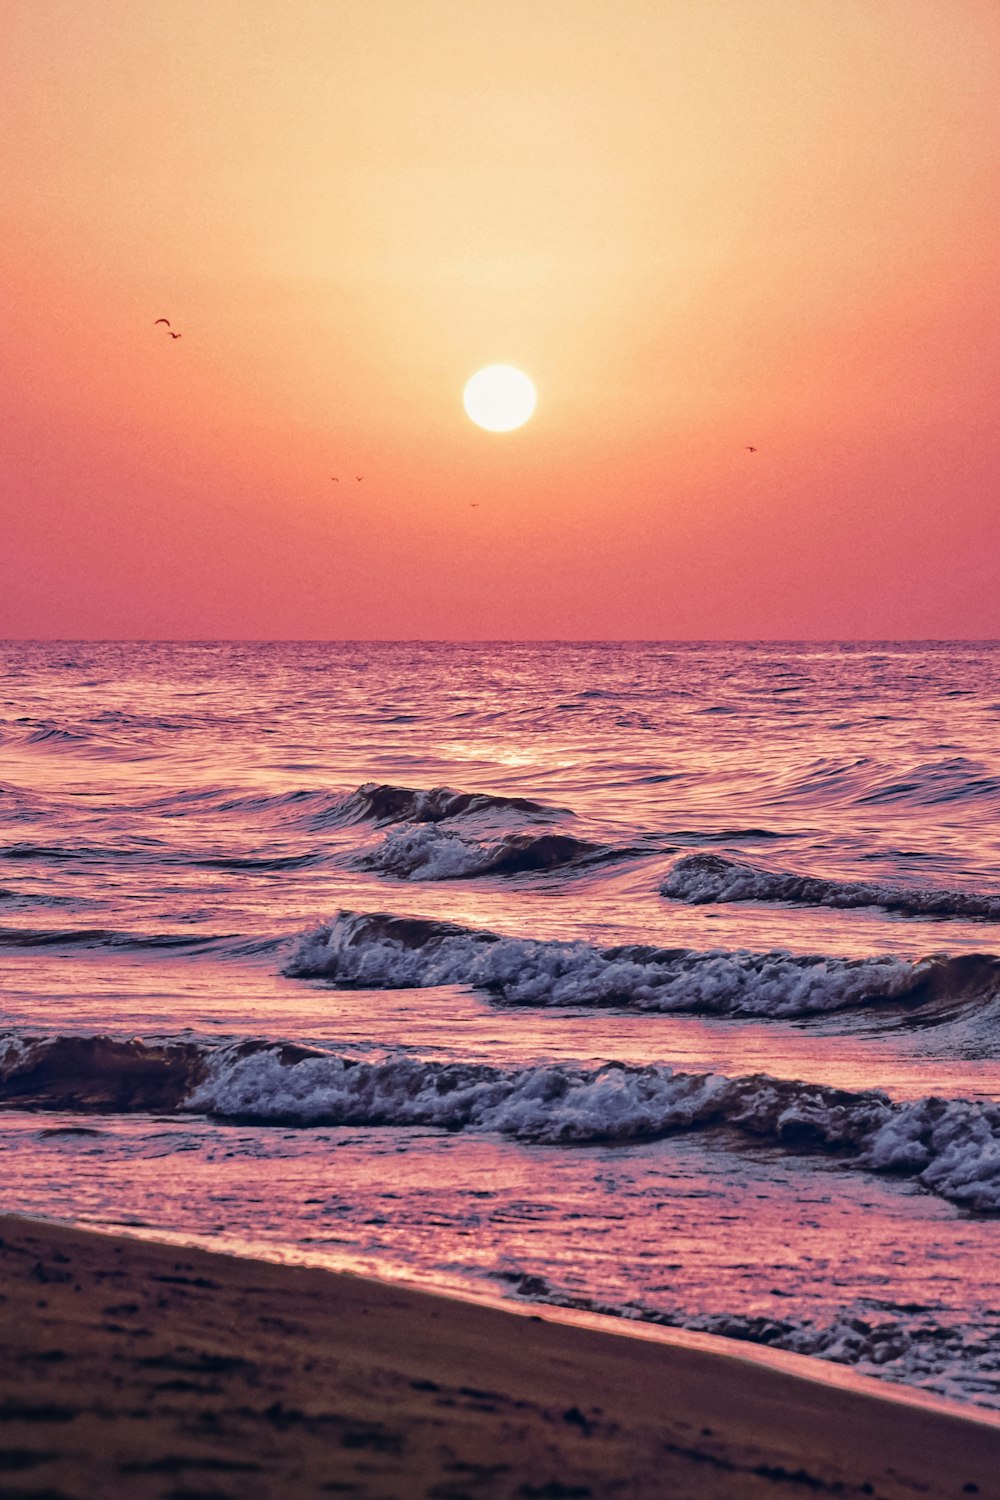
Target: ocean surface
x: 654, y: 979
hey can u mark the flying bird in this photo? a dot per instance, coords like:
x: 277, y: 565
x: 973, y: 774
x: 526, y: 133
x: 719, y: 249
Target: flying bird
x: 335, y: 478
x: 359, y: 477
x: 162, y: 320
x: 173, y: 335
x: 751, y: 450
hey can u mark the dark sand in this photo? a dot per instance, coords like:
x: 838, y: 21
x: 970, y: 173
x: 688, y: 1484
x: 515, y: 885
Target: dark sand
x: 134, y: 1369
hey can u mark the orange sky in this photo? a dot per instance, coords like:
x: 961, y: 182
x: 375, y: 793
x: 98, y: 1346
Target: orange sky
x: 697, y: 224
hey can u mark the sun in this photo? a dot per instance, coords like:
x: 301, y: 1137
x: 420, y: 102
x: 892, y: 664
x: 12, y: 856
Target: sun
x: 499, y: 398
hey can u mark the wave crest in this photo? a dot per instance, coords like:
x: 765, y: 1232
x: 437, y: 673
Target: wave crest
x: 952, y: 1147
x: 97, y: 1073
x: 428, y: 852
x: 707, y: 878
x: 378, y: 951
x: 384, y: 803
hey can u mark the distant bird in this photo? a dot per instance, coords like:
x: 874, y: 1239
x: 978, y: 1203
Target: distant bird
x: 474, y: 505
x: 359, y: 477
x: 335, y: 478
x: 162, y: 320
x: 751, y: 450
x: 173, y: 335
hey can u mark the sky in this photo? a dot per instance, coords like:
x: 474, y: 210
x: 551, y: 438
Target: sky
x: 699, y: 226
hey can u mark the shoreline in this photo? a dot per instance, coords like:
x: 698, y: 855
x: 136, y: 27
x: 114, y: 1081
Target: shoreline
x: 137, y: 1368
x: 803, y: 1366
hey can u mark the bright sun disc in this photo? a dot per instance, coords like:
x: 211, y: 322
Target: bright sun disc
x: 499, y: 398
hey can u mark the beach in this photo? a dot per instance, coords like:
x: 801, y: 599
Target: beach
x: 136, y: 1369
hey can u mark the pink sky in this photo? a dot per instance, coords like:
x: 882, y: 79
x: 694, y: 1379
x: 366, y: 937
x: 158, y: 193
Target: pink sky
x: 696, y: 226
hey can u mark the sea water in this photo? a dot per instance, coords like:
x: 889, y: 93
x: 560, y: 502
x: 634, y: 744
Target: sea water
x: 650, y: 978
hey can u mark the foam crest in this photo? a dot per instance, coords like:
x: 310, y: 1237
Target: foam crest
x: 430, y: 852
x: 705, y: 878
x: 952, y: 1147
x: 376, y: 951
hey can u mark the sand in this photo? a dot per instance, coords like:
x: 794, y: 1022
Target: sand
x: 135, y: 1369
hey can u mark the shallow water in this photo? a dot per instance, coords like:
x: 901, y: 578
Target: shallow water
x: 180, y: 826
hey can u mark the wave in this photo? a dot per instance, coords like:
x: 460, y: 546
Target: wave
x: 898, y: 1342
x: 51, y: 734
x: 144, y: 849
x: 867, y: 782
x: 155, y: 852
x: 81, y: 737
x: 707, y: 878
x: 383, y: 803
x: 951, y: 1147
x: 97, y: 1073
x: 256, y: 862
x: 727, y: 835
x: 428, y: 852
x: 316, y: 808
x: 231, y: 944
x: 931, y: 783
x: 302, y: 808
x: 379, y: 951
x: 25, y: 850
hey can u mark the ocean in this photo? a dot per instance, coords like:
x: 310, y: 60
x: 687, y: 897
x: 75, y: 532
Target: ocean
x: 655, y: 979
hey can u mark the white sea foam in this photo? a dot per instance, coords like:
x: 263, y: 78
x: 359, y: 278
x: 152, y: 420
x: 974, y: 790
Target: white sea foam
x: 702, y: 878
x: 382, y: 952
x: 951, y: 1147
x: 904, y: 1343
x: 430, y: 851
x: 424, y: 851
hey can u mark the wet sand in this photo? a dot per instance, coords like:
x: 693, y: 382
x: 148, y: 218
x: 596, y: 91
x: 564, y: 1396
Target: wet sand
x: 133, y: 1369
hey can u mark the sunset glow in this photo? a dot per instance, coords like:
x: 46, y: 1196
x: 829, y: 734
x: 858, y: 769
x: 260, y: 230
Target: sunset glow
x: 696, y: 226
x: 499, y: 758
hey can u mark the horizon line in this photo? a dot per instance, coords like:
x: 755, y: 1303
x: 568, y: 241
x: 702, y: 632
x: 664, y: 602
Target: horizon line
x: 347, y: 640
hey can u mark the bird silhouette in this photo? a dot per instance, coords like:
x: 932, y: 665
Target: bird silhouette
x: 335, y: 478
x: 162, y: 320
x: 751, y: 450
x: 359, y: 477
x: 173, y: 335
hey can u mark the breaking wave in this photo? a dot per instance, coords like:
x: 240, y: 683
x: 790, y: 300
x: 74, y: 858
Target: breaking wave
x: 951, y: 1147
x: 899, y: 1342
x: 378, y: 951
x: 706, y: 878
x: 429, y: 852
x: 97, y: 1073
